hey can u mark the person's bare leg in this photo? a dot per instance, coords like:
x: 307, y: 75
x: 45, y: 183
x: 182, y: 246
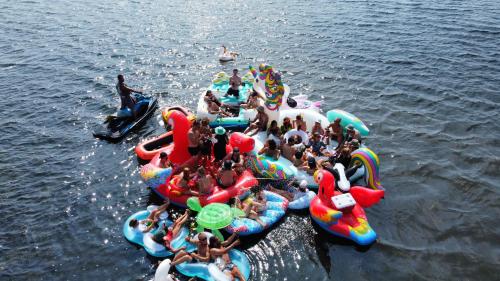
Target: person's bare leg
x: 179, y: 255
x: 181, y: 260
x: 247, y: 208
x: 237, y: 273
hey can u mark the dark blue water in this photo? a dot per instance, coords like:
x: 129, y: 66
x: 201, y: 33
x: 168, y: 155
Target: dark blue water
x: 424, y: 75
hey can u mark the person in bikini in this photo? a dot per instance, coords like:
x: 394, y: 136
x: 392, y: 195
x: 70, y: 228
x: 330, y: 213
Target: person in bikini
x: 259, y: 203
x: 247, y: 208
x: 227, y: 176
x: 219, y: 255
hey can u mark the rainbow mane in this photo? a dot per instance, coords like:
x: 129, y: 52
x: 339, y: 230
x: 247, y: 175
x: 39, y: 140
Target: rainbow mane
x: 371, y: 162
x: 267, y: 169
x: 154, y: 176
x: 273, y: 87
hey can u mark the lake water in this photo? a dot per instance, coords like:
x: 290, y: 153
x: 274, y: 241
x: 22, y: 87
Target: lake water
x: 424, y: 75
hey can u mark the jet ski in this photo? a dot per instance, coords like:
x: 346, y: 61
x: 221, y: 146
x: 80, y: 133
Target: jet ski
x: 117, y: 126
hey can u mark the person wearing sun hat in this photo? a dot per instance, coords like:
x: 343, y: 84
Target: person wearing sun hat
x: 221, y: 140
x: 352, y: 134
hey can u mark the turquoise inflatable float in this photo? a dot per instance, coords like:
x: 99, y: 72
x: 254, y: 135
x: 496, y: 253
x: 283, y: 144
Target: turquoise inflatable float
x: 276, y: 209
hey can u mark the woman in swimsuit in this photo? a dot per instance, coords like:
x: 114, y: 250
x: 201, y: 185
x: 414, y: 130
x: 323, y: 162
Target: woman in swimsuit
x: 235, y: 202
x: 219, y: 254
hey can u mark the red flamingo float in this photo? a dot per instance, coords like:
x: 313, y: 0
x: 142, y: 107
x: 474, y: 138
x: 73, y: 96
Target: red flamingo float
x: 349, y: 222
x: 164, y: 183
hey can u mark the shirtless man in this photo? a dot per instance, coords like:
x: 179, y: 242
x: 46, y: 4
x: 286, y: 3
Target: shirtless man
x: 124, y: 91
x: 202, y: 254
x: 194, y: 138
x: 287, y: 149
x: 336, y: 131
x: 259, y: 123
x: 299, y: 123
x: 235, y: 82
x: 227, y: 176
x: 204, y: 182
x: 183, y: 183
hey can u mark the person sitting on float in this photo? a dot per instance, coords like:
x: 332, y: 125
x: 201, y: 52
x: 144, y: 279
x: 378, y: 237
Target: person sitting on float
x: 298, y: 159
x: 259, y: 201
x: 127, y: 101
x: 202, y: 253
x: 235, y: 202
x: 354, y: 145
x: 299, y: 123
x: 343, y: 155
x: 270, y: 149
x: 213, y: 108
x: 295, y: 190
x: 226, y: 176
x: 259, y: 123
x: 287, y: 149
x: 204, y: 182
x: 220, y: 142
x: 274, y: 133
x: 194, y: 139
x: 316, y: 145
x: 184, y: 182
x: 237, y: 159
x: 209, y: 96
x: 166, y: 234
x: 164, y: 161
x: 352, y: 134
x: 219, y: 255
x: 151, y: 221
x: 311, y: 166
x: 252, y: 101
x: 317, y: 129
x: 299, y: 145
x: 336, y: 133
x: 287, y: 125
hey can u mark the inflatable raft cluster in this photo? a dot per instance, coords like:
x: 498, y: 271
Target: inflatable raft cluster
x: 251, y: 153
